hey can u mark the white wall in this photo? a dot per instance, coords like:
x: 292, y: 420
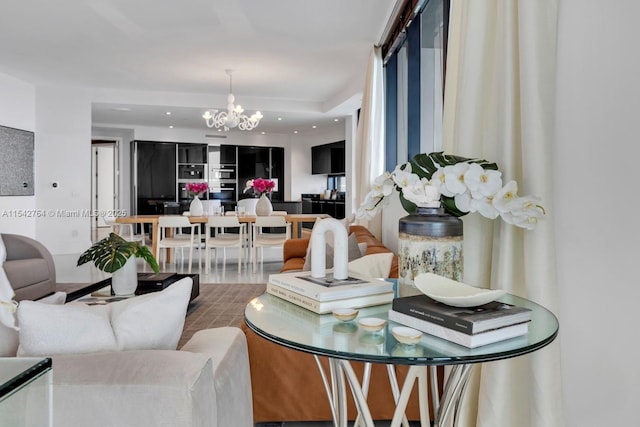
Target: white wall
x: 18, y: 110
x: 596, y: 175
x: 63, y: 144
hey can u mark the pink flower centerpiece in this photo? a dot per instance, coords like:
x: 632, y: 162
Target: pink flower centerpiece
x: 196, y: 188
x: 260, y: 186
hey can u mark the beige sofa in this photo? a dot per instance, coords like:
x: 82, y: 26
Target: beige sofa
x: 206, y: 383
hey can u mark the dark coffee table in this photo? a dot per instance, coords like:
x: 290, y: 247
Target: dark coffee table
x: 144, y: 285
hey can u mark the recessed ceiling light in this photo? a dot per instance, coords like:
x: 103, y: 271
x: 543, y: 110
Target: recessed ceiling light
x: 121, y: 109
x: 170, y: 127
x: 314, y: 126
x: 262, y: 133
x: 279, y: 118
x: 295, y: 131
x: 336, y: 120
x: 168, y: 113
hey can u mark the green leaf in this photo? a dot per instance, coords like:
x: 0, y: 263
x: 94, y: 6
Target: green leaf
x: 111, y: 253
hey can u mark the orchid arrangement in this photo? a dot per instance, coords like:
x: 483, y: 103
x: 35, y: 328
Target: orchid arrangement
x: 460, y: 185
x: 260, y: 186
x: 196, y: 188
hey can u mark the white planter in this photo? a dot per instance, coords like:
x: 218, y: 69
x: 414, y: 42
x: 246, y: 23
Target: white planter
x: 196, y: 208
x: 264, y: 207
x: 125, y: 280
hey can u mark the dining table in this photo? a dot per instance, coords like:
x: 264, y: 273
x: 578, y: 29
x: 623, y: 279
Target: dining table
x: 294, y: 219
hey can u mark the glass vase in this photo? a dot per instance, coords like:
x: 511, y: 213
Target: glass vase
x: 430, y: 241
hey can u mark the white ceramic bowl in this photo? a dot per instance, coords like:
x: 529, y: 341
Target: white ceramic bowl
x: 371, y: 324
x: 406, y: 335
x: 345, y: 314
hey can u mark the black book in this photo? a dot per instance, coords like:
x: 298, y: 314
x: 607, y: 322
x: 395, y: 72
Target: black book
x: 470, y: 320
x: 153, y: 281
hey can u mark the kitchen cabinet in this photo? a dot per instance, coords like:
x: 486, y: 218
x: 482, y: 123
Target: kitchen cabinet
x: 261, y: 162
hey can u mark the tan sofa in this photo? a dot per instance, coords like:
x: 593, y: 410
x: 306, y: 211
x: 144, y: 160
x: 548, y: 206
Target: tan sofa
x: 286, y: 383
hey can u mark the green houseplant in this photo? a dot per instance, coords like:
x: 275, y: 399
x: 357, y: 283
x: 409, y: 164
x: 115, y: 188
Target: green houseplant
x: 115, y: 255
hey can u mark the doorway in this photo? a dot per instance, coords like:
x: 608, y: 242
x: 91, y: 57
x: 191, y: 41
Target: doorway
x: 104, y: 184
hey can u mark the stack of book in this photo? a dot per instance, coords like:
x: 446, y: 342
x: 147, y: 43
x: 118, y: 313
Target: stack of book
x: 468, y: 326
x: 323, y: 295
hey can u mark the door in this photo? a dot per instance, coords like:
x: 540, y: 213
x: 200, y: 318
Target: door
x: 104, y: 180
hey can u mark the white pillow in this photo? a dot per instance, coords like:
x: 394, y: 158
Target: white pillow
x: 374, y: 265
x: 152, y: 321
x: 9, y: 337
x: 47, y: 330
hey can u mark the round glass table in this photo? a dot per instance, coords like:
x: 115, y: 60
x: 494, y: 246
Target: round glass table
x: 322, y: 335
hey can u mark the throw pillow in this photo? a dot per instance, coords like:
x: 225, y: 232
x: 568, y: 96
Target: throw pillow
x: 152, y: 321
x: 374, y: 265
x: 48, y: 329
x: 353, y: 252
x: 9, y: 337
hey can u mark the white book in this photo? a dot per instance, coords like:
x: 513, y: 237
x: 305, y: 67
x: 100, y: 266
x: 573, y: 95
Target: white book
x: 322, y: 307
x: 329, y: 289
x: 470, y: 341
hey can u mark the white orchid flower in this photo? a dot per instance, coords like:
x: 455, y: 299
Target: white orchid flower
x: 463, y: 202
x: 482, y: 182
x: 484, y: 207
x: 454, y: 178
x: 437, y: 180
x: 422, y: 193
x: 403, y: 177
x: 384, y: 184
x: 503, y: 198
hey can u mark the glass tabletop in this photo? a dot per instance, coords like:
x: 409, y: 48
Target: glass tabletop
x: 292, y: 326
x: 16, y: 372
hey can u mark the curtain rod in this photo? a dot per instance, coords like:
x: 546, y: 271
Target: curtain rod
x: 396, y: 29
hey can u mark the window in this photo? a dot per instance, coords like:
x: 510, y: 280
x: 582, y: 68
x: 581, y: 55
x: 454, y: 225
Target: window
x: 414, y: 80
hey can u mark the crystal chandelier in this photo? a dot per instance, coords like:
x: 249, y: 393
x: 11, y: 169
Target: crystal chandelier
x: 233, y: 116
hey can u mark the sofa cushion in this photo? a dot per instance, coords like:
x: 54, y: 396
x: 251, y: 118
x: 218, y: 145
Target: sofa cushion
x: 134, y: 388
x: 373, y: 265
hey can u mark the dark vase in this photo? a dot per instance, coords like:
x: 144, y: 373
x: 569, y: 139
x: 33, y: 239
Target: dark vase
x: 430, y: 241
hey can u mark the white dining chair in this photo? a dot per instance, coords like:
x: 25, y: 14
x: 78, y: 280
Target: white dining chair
x: 249, y: 205
x: 224, y: 236
x: 267, y: 238
x: 171, y: 236
x: 123, y: 230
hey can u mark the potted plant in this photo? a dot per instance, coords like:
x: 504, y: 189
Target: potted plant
x: 115, y: 255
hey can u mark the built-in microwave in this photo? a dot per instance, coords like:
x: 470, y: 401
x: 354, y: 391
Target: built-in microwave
x: 222, y: 173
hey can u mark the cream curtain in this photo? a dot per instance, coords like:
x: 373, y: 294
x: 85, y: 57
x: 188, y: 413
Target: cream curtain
x: 369, y: 150
x: 499, y: 105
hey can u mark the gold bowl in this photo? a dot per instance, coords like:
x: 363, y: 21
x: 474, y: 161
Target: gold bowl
x: 406, y: 335
x: 345, y: 314
x: 372, y: 324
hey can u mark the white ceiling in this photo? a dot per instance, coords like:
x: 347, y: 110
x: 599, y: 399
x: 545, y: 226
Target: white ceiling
x: 301, y: 60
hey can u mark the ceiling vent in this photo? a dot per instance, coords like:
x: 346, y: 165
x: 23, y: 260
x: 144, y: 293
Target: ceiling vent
x: 215, y: 136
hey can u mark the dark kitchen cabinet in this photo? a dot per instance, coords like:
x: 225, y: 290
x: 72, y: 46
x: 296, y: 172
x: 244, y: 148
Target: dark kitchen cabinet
x: 328, y: 159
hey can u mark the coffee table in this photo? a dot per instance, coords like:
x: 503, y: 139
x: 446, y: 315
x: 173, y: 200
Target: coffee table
x: 93, y: 287
x: 25, y: 388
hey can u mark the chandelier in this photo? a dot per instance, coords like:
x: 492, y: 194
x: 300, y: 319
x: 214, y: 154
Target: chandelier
x: 233, y: 116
